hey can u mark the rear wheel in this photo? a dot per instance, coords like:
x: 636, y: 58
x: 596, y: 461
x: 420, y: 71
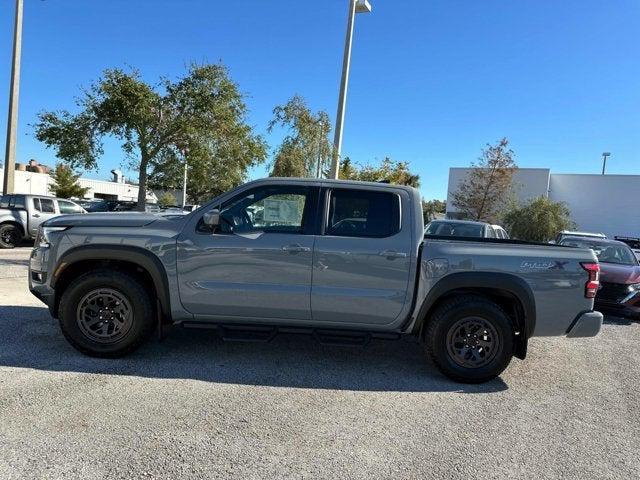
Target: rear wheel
x: 470, y: 339
x: 106, y: 313
x: 10, y: 236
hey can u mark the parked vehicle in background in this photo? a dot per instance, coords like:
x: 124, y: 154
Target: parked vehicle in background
x: 120, y: 206
x: 619, y: 290
x: 342, y: 260
x: 464, y: 228
x: 21, y: 215
x: 500, y: 232
x: 190, y: 208
x: 566, y: 233
x: 633, y: 242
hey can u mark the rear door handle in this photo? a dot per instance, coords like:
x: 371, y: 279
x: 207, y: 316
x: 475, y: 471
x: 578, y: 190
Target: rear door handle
x: 295, y: 248
x: 391, y: 254
x: 35, y: 215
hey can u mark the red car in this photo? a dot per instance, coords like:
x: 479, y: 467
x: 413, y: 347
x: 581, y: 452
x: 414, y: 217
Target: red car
x: 619, y: 291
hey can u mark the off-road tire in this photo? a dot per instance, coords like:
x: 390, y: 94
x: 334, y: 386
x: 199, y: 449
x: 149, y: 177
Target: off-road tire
x: 446, y: 316
x: 10, y: 236
x: 123, y: 283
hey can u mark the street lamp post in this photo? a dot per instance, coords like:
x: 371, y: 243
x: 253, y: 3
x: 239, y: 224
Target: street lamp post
x: 185, y: 152
x: 14, y: 90
x: 320, y: 140
x: 355, y: 6
x: 605, y: 155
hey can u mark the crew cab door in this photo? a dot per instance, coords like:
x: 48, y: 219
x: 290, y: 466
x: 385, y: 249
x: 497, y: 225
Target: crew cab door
x: 42, y: 210
x: 362, y: 260
x: 257, y: 262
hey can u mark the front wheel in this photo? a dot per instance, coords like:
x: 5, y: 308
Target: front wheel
x: 469, y: 339
x: 10, y: 236
x: 106, y: 313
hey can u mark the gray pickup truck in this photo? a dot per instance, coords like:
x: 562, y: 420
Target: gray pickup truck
x: 22, y: 214
x: 344, y: 261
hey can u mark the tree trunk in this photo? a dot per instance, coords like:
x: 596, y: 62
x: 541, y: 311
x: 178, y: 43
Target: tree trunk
x: 142, y: 184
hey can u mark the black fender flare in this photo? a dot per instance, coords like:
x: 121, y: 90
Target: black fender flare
x: 131, y: 254
x: 504, y: 282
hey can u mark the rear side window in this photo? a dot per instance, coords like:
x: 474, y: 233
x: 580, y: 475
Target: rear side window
x: 361, y: 213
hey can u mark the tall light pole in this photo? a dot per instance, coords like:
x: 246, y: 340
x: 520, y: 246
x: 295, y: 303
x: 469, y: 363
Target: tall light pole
x: 14, y: 90
x: 355, y: 6
x: 605, y: 155
x: 320, y: 140
x: 185, y: 152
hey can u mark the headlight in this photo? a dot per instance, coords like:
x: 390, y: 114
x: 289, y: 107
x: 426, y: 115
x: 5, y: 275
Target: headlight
x: 43, y: 239
x: 634, y: 287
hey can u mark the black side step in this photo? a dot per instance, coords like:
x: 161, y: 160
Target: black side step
x: 266, y: 333
x: 342, y: 338
x: 231, y: 333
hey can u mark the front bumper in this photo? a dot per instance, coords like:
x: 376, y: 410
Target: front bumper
x: 38, y: 281
x: 587, y: 324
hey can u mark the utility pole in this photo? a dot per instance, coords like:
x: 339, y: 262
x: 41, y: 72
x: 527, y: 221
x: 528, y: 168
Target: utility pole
x: 14, y: 91
x: 355, y: 6
x: 605, y: 155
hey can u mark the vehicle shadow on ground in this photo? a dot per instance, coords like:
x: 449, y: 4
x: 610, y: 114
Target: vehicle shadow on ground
x: 615, y: 320
x: 30, y: 338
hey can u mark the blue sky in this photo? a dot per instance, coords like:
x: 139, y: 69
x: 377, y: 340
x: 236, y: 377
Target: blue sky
x: 432, y: 80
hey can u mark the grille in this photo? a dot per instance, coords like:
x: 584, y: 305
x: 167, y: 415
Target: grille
x: 613, y: 292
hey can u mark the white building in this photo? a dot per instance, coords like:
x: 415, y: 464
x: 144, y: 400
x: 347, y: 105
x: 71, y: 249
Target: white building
x: 598, y: 203
x: 38, y: 183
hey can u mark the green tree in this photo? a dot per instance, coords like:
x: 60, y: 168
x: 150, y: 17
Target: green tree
x: 431, y: 207
x: 305, y: 151
x: 388, y: 170
x: 202, y: 112
x: 167, y: 199
x: 539, y: 220
x: 484, y: 192
x: 65, y: 183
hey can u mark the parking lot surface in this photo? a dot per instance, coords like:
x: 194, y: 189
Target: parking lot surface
x: 195, y: 407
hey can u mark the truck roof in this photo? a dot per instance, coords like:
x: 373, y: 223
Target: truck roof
x: 328, y: 181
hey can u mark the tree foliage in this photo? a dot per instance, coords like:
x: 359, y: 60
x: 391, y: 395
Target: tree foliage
x: 388, y: 170
x: 431, y: 207
x: 485, y: 190
x: 65, y: 183
x: 306, y: 150
x: 202, y: 113
x: 539, y: 220
x: 167, y: 199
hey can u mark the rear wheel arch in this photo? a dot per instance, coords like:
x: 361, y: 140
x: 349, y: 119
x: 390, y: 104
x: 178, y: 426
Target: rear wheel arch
x: 509, y: 292
x: 134, y: 260
x: 13, y: 222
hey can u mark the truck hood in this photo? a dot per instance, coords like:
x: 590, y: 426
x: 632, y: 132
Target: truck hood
x: 625, y: 274
x: 115, y: 219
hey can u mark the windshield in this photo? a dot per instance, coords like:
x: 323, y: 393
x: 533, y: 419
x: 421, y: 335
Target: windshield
x: 606, y: 252
x: 454, y: 229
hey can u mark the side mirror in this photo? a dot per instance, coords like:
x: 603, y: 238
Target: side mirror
x: 212, y: 218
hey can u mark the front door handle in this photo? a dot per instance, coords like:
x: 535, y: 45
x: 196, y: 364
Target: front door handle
x: 391, y: 254
x: 295, y: 248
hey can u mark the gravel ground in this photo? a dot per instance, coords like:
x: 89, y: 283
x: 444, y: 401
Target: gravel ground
x: 192, y: 406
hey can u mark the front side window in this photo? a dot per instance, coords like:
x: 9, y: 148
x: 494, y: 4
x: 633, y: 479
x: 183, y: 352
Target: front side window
x: 277, y: 209
x: 44, y: 205
x: 361, y: 213
x: 68, y: 207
